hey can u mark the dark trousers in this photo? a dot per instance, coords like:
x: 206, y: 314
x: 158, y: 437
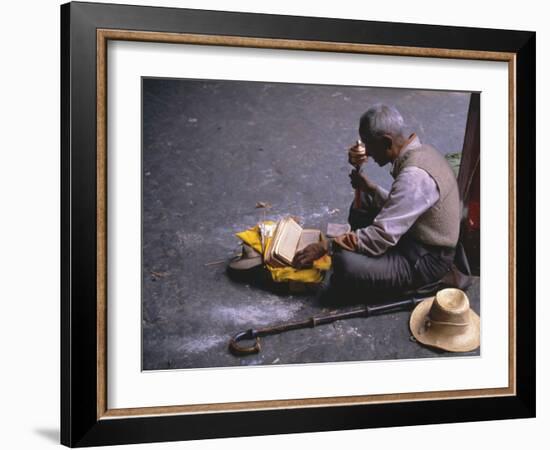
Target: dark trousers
x: 403, y: 268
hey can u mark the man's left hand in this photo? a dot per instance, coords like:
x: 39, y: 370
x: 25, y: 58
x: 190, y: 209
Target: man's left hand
x: 360, y: 181
x: 347, y: 241
x: 304, y: 258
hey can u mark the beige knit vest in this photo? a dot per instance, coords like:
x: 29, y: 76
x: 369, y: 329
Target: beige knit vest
x: 439, y: 225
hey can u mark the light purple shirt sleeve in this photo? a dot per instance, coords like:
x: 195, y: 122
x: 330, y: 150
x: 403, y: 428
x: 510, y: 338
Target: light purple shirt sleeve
x: 375, y: 199
x: 412, y: 193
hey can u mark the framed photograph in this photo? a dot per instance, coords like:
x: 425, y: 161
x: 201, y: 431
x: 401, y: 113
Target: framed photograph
x: 278, y: 224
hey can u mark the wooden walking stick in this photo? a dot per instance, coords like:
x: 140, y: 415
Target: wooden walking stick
x: 238, y: 349
x: 357, y: 156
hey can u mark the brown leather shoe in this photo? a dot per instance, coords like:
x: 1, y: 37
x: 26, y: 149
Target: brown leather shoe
x: 452, y: 279
x: 455, y: 278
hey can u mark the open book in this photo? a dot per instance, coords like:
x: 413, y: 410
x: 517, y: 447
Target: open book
x: 288, y: 239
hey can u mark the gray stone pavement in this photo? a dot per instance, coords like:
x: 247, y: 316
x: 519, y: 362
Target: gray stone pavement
x: 211, y: 151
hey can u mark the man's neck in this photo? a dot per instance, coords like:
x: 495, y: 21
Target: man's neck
x: 401, y: 148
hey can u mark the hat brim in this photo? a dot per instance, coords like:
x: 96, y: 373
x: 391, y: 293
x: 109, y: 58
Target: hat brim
x: 466, y: 341
x: 245, y: 263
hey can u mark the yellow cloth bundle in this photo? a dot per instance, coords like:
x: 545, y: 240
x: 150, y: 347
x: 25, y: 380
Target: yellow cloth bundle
x: 252, y: 237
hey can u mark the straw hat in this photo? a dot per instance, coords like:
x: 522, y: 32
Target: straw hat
x: 446, y: 321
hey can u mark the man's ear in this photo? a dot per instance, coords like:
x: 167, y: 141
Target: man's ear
x: 387, y: 141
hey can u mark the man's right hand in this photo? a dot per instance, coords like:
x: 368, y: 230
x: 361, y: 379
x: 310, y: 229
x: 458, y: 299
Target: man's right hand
x: 357, y: 155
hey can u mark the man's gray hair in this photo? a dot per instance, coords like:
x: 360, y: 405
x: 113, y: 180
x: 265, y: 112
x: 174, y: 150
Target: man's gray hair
x: 380, y: 120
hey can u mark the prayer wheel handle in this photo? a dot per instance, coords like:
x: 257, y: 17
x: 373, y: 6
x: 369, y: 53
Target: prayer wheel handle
x: 360, y: 152
x: 239, y: 349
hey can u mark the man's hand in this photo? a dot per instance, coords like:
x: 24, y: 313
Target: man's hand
x: 360, y: 181
x: 347, y: 241
x: 357, y: 154
x: 305, y: 257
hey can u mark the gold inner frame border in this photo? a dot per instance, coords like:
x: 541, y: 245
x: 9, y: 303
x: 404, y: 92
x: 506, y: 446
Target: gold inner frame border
x: 103, y: 36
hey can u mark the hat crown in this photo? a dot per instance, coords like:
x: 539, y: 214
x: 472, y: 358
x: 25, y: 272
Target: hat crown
x: 450, y: 305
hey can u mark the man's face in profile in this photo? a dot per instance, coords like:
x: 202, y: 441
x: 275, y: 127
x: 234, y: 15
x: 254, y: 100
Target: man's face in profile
x: 377, y: 148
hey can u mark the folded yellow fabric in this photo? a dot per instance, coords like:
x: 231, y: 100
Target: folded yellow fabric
x: 252, y: 237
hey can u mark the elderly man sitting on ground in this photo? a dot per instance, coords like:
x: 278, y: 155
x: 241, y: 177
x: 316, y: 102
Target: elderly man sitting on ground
x: 404, y: 238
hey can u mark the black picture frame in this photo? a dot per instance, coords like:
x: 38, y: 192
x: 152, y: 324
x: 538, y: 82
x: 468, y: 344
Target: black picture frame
x: 81, y: 422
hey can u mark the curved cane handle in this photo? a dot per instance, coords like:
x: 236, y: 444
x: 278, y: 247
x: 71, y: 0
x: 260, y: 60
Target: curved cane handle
x: 238, y: 349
